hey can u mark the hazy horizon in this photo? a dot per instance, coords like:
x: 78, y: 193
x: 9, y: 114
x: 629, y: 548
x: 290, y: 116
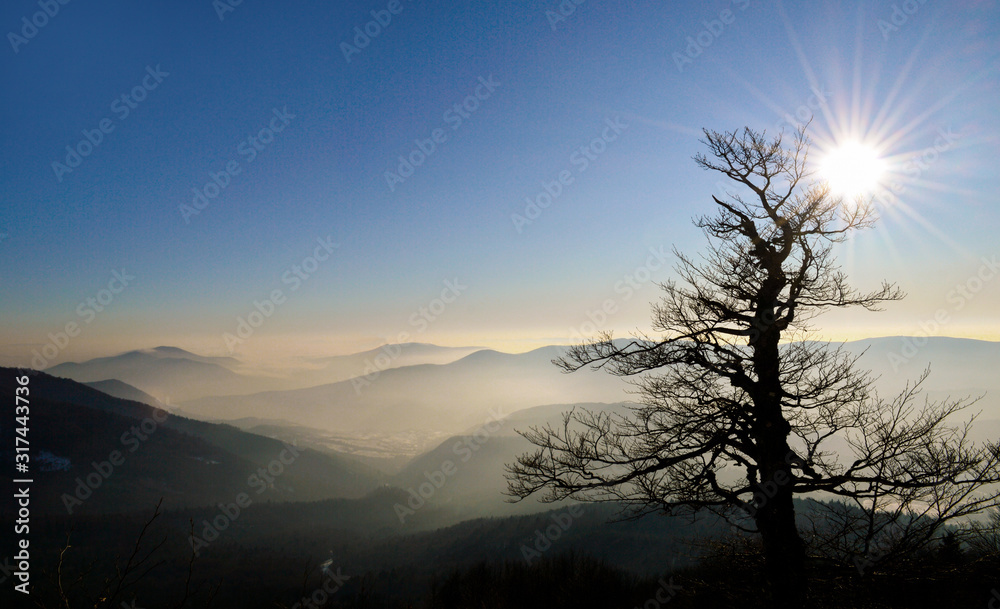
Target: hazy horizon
x: 298, y: 358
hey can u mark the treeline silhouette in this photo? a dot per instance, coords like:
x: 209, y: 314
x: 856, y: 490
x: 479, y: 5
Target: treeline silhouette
x: 274, y: 553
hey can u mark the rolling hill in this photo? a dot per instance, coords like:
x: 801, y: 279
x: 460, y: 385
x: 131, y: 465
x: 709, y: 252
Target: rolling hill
x: 431, y: 398
x: 118, y: 389
x: 113, y: 455
x: 168, y: 374
x: 171, y: 374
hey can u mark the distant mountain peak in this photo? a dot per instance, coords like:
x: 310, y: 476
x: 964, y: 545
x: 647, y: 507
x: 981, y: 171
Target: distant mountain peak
x: 169, y: 349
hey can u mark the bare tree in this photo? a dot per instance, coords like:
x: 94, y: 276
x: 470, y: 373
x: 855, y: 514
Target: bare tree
x: 737, y: 412
x: 984, y: 538
x: 137, y: 568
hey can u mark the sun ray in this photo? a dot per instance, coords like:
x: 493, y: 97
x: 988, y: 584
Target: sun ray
x: 901, y: 211
x: 888, y: 131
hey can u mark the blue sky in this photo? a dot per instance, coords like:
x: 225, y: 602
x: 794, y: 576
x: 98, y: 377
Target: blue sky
x: 896, y: 78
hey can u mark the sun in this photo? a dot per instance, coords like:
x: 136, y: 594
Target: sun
x: 852, y: 169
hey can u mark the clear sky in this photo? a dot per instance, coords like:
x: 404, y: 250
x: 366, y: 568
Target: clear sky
x: 309, y: 114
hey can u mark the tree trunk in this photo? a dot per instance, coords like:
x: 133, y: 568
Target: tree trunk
x: 784, y: 552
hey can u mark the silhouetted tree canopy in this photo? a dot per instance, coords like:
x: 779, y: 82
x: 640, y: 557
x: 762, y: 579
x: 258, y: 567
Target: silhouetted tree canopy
x: 738, y: 411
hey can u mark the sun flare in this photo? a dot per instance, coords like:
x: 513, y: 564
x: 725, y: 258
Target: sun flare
x: 852, y: 169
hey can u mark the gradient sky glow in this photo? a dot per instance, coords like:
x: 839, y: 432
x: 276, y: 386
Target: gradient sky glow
x: 899, y: 88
